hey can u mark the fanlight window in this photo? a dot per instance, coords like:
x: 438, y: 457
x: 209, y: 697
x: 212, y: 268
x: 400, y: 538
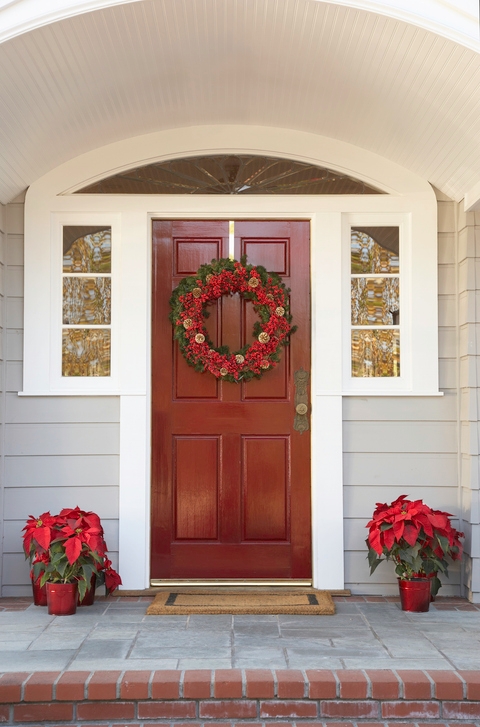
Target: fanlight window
x: 229, y: 174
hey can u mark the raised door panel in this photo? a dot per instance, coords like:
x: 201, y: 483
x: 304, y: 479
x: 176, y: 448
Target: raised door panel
x: 265, y: 488
x: 196, y: 487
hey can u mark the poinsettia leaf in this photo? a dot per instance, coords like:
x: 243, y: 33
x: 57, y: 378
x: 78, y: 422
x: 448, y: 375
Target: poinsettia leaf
x: 410, y: 533
x: 373, y: 560
x: 43, y: 536
x: 435, y: 585
x: 388, y: 539
x: 374, y: 541
x: 73, y: 547
x: 398, y: 528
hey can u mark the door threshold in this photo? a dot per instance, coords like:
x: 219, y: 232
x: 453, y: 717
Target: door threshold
x: 231, y: 582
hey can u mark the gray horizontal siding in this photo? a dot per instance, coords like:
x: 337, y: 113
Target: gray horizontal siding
x: 67, y: 471
x: 400, y: 469
x: 74, y: 409
x: 400, y: 437
x: 20, y: 502
x: 61, y: 439
x: 394, y: 408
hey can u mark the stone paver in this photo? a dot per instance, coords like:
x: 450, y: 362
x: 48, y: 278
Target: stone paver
x: 116, y: 634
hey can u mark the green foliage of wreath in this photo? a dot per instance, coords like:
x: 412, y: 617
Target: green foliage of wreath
x: 270, y: 299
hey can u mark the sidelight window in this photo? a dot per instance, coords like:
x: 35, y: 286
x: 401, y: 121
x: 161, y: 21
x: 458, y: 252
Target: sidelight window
x: 86, y: 301
x: 375, y: 301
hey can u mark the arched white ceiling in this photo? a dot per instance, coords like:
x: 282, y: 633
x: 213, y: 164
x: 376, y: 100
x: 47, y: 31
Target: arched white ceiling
x: 378, y: 83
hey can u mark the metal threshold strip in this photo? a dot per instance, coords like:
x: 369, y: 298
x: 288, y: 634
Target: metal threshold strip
x: 229, y: 583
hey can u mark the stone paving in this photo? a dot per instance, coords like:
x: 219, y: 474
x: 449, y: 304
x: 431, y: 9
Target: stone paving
x: 365, y: 633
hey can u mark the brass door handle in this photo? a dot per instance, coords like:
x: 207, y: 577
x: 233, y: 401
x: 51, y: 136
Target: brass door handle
x: 300, y: 378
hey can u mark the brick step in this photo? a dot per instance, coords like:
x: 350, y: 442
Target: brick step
x: 230, y: 697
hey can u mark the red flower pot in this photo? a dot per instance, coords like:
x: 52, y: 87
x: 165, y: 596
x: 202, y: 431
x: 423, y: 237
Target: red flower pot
x: 415, y: 594
x: 39, y: 593
x: 89, y: 596
x: 62, y: 598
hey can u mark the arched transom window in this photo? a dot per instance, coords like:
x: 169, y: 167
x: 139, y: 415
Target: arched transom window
x: 238, y: 174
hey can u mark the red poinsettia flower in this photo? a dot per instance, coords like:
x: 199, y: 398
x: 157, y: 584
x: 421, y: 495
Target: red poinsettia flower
x: 77, y: 532
x: 38, y: 530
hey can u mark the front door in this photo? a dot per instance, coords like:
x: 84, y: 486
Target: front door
x: 230, y: 475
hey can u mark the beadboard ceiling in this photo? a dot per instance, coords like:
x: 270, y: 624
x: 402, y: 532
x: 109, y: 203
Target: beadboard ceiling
x: 375, y: 82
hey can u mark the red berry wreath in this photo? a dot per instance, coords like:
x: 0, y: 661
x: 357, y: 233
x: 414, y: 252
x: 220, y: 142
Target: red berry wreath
x: 269, y: 295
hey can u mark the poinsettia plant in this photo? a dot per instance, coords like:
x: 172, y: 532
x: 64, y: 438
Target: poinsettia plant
x: 69, y: 547
x: 416, y: 538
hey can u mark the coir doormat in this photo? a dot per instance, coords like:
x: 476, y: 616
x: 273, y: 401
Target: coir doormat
x: 318, y: 603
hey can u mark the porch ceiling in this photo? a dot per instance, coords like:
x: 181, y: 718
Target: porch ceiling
x: 392, y: 88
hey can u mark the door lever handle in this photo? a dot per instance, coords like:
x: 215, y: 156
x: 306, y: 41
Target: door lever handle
x: 300, y: 423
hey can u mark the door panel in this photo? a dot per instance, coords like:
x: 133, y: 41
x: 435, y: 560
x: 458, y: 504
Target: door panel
x: 230, y: 476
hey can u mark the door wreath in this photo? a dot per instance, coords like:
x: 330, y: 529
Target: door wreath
x: 269, y: 295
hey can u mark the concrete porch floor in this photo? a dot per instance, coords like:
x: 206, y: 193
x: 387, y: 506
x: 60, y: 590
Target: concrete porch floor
x: 115, y: 634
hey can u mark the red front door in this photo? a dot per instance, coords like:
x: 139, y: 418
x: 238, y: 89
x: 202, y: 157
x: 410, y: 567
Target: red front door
x: 230, y: 475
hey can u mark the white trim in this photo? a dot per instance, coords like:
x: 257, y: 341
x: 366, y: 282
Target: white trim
x: 134, y: 492
x: 133, y: 214
x: 455, y: 20
x: 327, y: 493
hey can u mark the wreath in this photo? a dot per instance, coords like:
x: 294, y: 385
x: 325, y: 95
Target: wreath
x: 269, y: 295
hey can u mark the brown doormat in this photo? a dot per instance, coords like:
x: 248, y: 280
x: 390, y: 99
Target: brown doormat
x: 319, y: 603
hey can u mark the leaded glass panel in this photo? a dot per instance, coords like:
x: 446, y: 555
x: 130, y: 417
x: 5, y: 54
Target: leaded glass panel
x: 87, y: 250
x: 375, y: 353
x: 375, y: 250
x: 87, y: 301
x: 86, y: 352
x: 375, y: 301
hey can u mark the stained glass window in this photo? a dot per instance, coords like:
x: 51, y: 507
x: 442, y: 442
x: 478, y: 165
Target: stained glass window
x: 229, y: 174
x: 86, y: 296
x: 375, y: 301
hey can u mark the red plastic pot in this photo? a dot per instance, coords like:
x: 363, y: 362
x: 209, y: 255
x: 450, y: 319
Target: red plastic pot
x: 415, y: 594
x: 62, y: 598
x: 39, y: 593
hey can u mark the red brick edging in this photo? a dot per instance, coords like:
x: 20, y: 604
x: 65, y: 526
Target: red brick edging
x: 250, y: 696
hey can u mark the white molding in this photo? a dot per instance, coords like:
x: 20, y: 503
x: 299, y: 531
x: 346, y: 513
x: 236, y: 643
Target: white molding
x: 457, y: 21
x: 195, y: 140
x: 327, y: 492
x: 472, y: 199
x: 134, y: 492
